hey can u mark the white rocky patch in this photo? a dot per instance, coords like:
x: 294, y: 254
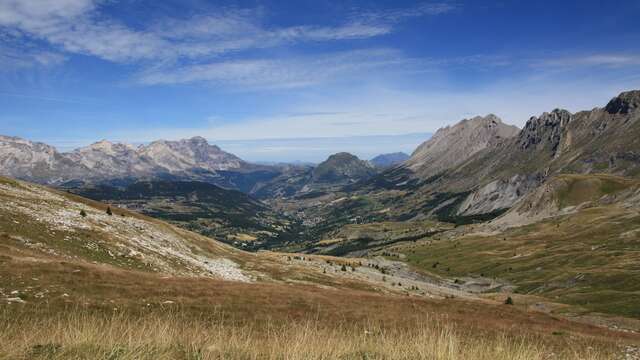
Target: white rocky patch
x: 158, y: 245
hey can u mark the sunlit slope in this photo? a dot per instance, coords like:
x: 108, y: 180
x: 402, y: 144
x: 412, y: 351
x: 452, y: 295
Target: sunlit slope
x: 576, y: 240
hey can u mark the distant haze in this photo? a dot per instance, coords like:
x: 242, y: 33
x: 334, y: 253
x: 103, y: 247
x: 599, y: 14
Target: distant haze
x: 318, y: 149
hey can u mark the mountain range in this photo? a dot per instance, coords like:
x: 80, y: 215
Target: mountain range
x: 193, y: 158
x: 488, y: 166
x: 479, y: 168
x: 473, y: 170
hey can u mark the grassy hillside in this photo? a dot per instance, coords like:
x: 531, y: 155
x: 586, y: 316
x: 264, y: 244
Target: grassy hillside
x: 125, y: 286
x: 227, y: 215
x: 74, y: 310
x: 588, y: 259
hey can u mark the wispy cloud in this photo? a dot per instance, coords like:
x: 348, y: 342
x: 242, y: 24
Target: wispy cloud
x: 586, y: 60
x: 281, y: 73
x: 78, y: 26
x: 12, y: 58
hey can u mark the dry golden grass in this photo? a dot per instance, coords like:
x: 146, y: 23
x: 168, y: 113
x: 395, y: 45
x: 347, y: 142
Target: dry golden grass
x: 69, y: 305
x: 82, y: 334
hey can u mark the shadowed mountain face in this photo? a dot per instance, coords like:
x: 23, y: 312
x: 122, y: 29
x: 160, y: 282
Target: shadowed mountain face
x: 342, y: 167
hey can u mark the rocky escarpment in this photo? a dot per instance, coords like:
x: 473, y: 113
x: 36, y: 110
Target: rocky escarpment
x: 498, y: 195
x: 546, y: 133
x: 566, y: 194
x: 625, y: 103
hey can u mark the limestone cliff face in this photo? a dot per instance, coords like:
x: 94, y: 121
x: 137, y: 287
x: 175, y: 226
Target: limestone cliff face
x: 42, y: 163
x: 546, y: 133
x: 190, y: 153
x: 36, y: 161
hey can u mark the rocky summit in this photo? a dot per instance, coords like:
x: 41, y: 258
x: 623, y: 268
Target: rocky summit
x: 388, y: 160
x: 342, y: 166
x: 453, y: 145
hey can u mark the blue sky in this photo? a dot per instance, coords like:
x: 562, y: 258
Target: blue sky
x: 256, y: 72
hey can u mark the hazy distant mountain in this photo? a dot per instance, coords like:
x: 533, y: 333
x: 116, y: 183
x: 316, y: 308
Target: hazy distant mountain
x: 342, y: 167
x: 191, y: 158
x: 335, y: 172
x: 388, y: 160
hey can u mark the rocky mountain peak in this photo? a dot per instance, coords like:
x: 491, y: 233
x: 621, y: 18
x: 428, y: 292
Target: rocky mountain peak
x: 625, y: 103
x: 452, y: 145
x: 108, y: 147
x: 202, y: 143
x: 545, y: 131
x: 199, y: 140
x: 342, y: 156
x: 387, y: 160
x: 102, y: 143
x: 342, y: 166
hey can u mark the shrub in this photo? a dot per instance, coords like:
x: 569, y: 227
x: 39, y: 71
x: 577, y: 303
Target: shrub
x: 109, y: 212
x: 509, y: 301
x: 344, y: 268
x: 83, y: 213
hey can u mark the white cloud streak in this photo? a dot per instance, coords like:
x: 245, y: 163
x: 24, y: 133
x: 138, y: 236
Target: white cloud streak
x: 281, y: 73
x: 613, y: 60
x: 78, y: 26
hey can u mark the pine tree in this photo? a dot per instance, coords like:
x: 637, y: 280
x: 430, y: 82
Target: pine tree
x: 109, y: 212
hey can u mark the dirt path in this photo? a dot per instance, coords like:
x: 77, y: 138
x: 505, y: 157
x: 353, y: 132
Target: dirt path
x: 387, y: 275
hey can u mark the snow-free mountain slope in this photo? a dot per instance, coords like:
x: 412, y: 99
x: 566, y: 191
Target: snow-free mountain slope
x: 452, y: 145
